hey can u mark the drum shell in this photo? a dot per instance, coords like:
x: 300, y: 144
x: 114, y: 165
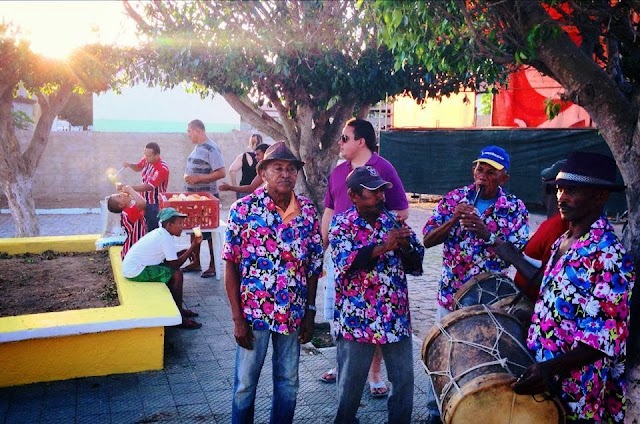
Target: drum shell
x: 457, y: 349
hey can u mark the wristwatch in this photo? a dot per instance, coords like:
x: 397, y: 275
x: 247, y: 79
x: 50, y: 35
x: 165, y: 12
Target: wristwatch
x: 312, y: 308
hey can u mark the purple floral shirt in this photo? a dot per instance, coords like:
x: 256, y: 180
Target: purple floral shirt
x: 584, y: 298
x: 275, y: 260
x: 372, y: 305
x: 465, y: 255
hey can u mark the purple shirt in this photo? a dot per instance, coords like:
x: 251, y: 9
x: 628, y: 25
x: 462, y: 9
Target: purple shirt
x: 337, y: 198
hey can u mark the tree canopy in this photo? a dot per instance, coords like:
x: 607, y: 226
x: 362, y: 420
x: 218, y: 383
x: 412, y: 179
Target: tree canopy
x: 92, y: 68
x: 316, y: 63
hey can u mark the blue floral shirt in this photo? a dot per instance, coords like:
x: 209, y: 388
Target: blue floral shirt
x: 372, y: 305
x: 584, y: 298
x: 465, y: 255
x: 275, y: 260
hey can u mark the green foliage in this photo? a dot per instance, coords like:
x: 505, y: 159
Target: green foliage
x: 552, y: 107
x: 21, y: 120
x: 78, y: 110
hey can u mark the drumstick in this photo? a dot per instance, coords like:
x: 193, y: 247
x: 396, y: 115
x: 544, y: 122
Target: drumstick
x: 395, y: 222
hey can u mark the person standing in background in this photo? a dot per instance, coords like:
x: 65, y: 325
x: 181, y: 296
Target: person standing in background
x: 245, y: 162
x: 205, y: 167
x: 155, y: 180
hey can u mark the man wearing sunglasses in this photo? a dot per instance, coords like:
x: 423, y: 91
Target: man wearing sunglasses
x: 358, y: 146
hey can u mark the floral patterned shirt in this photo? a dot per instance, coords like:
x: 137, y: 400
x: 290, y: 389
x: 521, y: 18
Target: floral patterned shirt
x: 465, y: 255
x: 275, y: 260
x: 584, y: 298
x: 372, y: 305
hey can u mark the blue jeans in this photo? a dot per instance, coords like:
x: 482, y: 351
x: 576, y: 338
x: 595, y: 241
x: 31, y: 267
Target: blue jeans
x: 151, y: 216
x: 285, y: 359
x: 353, y: 366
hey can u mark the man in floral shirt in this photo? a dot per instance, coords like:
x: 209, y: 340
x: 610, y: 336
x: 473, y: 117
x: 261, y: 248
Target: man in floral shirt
x: 468, y: 220
x: 372, y: 298
x: 579, y: 328
x: 273, y: 254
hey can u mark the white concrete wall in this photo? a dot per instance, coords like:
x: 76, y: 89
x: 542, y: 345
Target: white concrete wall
x: 73, y: 168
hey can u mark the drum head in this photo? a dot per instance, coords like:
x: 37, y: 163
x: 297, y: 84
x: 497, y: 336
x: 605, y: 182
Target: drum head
x: 485, y: 289
x: 490, y: 400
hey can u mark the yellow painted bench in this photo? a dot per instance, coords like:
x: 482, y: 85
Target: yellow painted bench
x: 90, y: 342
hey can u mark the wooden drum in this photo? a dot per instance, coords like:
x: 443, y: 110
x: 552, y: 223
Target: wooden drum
x: 472, y: 357
x: 486, y: 288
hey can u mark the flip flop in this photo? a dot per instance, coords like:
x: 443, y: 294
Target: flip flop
x: 189, y: 324
x: 378, y: 389
x: 187, y: 313
x: 208, y: 274
x: 191, y: 268
x: 329, y: 376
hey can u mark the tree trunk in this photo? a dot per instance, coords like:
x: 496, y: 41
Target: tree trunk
x: 19, y: 195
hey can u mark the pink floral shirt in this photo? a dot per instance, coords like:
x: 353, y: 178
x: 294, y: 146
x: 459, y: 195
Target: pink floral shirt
x: 275, y: 260
x: 465, y: 255
x: 372, y: 305
x: 584, y: 298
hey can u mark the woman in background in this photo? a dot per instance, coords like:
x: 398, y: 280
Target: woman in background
x: 245, y: 162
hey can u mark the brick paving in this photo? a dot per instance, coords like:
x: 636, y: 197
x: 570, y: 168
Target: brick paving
x: 196, y: 383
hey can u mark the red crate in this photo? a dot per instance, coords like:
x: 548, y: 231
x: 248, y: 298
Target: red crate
x: 205, y: 213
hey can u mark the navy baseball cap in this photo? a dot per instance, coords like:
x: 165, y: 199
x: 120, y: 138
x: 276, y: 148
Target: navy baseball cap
x: 495, y: 156
x: 366, y: 177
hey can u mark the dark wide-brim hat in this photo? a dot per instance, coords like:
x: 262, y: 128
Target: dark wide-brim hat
x: 589, y: 169
x: 279, y: 151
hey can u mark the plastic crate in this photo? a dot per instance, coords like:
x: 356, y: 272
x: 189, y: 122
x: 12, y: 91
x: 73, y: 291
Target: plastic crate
x: 205, y: 213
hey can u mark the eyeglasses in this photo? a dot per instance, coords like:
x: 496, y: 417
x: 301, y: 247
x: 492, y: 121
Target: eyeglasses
x: 344, y: 138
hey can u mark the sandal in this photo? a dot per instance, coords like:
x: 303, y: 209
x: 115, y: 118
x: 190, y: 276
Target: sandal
x: 189, y: 324
x: 378, y: 389
x: 191, y: 268
x: 187, y: 313
x: 208, y: 274
x: 329, y: 376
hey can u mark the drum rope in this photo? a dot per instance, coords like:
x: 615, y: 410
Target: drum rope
x: 493, y: 351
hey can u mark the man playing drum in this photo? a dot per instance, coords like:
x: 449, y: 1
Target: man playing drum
x: 579, y: 328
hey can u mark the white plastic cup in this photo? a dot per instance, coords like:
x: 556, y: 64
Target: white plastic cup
x: 197, y: 232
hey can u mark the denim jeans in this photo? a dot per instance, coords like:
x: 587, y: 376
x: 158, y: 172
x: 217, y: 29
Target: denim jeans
x: 285, y: 359
x: 151, y: 216
x: 353, y: 366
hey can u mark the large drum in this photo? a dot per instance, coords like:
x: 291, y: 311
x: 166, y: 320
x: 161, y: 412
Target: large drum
x: 485, y: 289
x: 472, y: 357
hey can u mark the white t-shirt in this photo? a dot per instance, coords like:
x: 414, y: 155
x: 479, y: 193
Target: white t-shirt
x: 152, y: 249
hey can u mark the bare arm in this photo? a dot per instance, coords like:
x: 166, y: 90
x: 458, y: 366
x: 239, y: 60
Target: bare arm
x: 176, y: 264
x: 140, y: 202
x: 234, y: 168
x: 216, y: 175
x: 257, y: 182
x: 306, y: 331
x: 133, y: 166
x: 439, y: 234
x: 324, y: 226
x: 241, y: 330
x: 537, y: 377
x: 142, y: 187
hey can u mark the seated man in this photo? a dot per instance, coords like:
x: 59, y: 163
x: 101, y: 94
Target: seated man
x: 131, y: 206
x: 154, y: 259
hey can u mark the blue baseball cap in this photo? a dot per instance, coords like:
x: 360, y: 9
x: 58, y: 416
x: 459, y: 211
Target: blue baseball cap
x: 494, y: 156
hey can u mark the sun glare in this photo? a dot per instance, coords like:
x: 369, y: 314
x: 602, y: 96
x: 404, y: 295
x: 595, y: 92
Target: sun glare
x: 56, y: 28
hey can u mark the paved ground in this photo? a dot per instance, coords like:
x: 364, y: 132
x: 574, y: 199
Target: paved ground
x: 195, y: 385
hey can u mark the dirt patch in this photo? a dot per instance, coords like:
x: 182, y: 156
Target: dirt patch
x: 52, y: 282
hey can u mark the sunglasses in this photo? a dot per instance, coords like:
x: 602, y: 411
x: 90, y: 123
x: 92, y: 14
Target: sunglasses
x: 344, y: 138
